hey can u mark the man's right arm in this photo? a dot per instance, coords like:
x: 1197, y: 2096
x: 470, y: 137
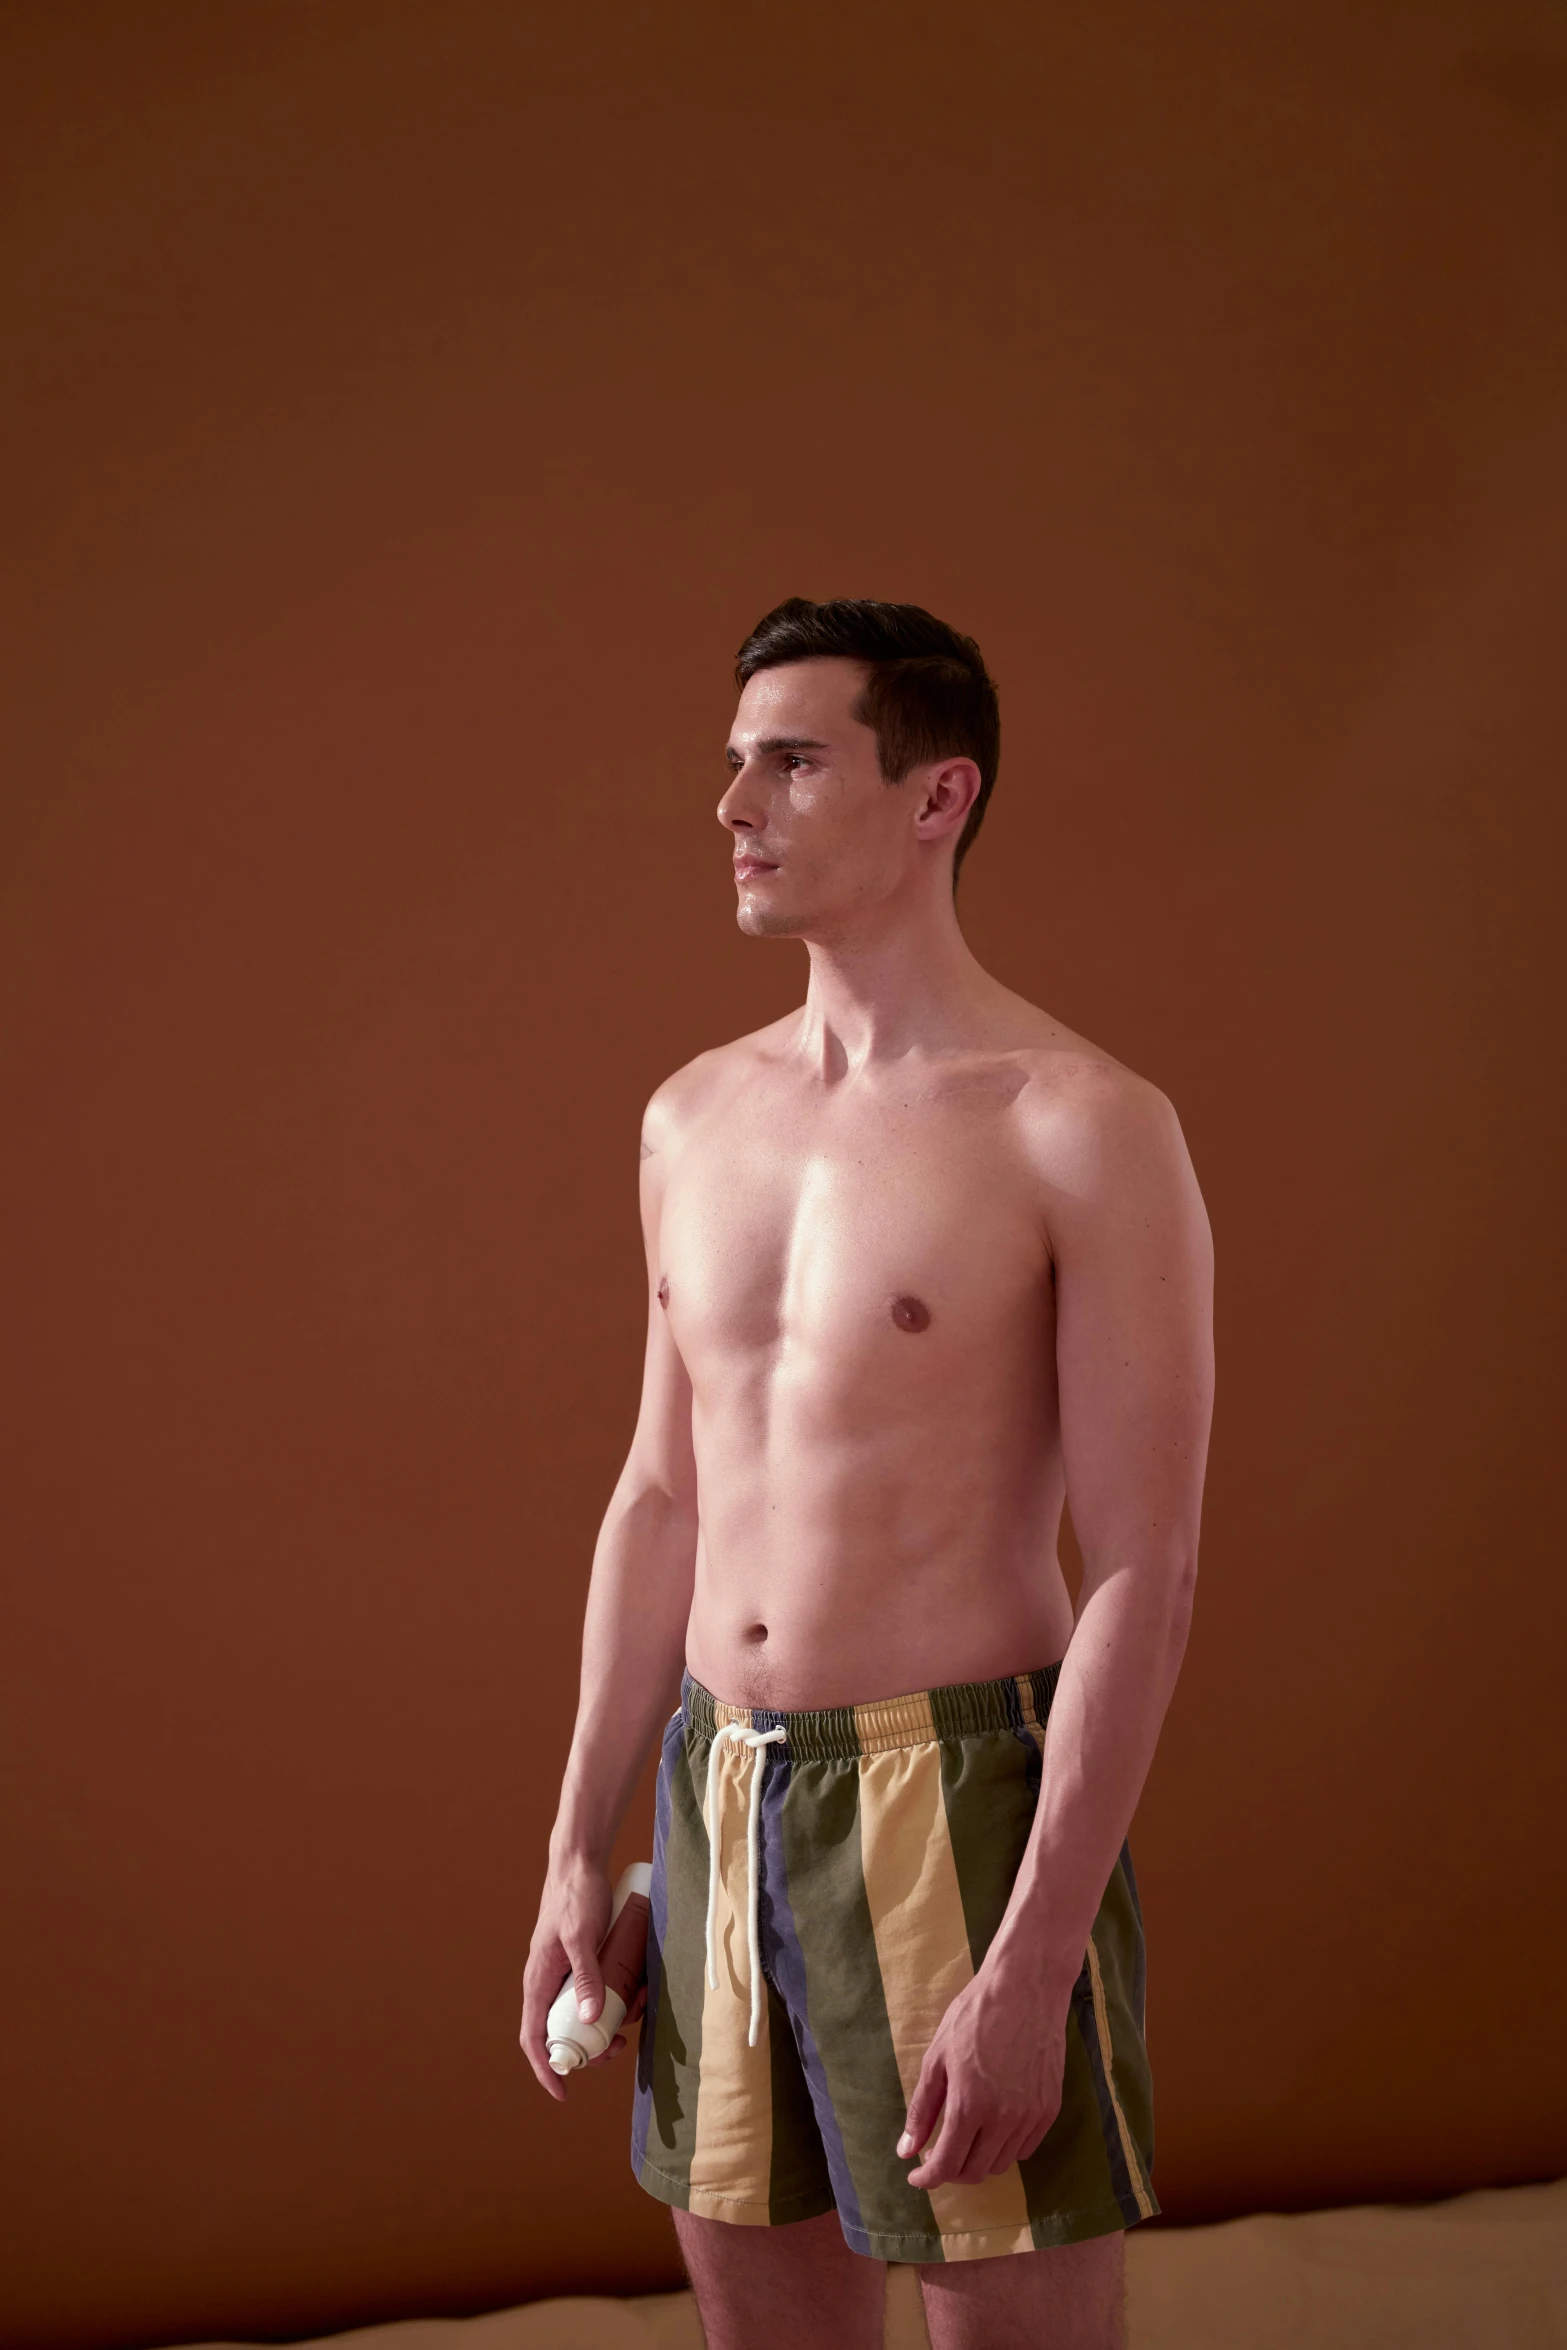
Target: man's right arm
x: 633, y: 1650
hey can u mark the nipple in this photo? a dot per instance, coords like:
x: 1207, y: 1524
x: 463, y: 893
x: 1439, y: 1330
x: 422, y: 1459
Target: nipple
x: 911, y: 1313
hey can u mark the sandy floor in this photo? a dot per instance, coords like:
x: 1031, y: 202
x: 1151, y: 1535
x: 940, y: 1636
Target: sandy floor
x: 1483, y: 2272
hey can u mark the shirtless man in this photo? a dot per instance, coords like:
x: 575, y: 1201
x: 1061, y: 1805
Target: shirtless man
x: 921, y: 1263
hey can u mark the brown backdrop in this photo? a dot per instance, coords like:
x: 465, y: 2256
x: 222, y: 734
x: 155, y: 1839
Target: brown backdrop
x: 409, y: 408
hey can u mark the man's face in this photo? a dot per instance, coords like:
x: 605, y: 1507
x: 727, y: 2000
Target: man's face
x: 819, y: 836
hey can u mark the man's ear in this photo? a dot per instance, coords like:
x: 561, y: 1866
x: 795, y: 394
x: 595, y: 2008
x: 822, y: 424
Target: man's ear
x: 947, y: 790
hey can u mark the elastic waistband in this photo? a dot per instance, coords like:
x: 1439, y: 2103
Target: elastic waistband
x: 963, y: 1709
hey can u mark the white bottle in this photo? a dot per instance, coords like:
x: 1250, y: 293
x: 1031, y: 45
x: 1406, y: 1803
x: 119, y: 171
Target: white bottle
x: 571, y: 2040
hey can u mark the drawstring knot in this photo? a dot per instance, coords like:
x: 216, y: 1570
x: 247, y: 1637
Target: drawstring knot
x: 740, y: 1736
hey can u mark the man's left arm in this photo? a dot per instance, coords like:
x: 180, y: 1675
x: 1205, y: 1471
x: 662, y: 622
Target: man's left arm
x: 1134, y: 1349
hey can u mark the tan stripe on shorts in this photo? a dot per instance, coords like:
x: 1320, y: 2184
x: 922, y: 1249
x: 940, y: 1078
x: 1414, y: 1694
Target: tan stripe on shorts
x: 922, y: 1949
x: 731, y: 2161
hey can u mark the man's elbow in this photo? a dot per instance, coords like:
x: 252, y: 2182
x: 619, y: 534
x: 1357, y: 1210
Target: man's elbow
x: 1180, y: 1596
x: 657, y: 1505
x: 1160, y: 1581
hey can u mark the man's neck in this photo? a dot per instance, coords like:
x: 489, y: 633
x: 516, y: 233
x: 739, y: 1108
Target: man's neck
x: 895, y: 986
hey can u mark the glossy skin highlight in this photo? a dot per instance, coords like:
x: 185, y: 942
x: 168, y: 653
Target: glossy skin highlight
x: 816, y: 1511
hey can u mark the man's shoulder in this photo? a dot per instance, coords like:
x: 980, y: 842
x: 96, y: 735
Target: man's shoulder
x: 1081, y: 1110
x: 709, y: 1082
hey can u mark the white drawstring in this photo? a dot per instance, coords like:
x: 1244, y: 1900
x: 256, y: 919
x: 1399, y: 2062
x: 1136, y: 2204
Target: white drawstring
x: 753, y: 1942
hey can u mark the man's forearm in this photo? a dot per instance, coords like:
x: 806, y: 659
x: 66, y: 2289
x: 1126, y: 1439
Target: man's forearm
x: 1109, y: 1703
x: 633, y: 1649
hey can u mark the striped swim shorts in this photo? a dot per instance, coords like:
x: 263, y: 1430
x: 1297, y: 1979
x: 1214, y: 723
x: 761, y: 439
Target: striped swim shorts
x: 824, y: 1884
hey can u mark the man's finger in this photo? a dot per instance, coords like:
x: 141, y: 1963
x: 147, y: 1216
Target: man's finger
x: 983, y: 2158
x: 586, y: 1980
x: 950, y: 2152
x: 545, y: 1971
x: 543, y: 1976
x: 925, y: 2105
x: 547, y: 2080
x: 531, y: 2037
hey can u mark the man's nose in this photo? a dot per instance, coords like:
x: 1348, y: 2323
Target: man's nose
x: 739, y: 809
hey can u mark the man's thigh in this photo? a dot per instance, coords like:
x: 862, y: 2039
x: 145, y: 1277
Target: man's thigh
x: 758, y: 2288
x: 1072, y: 2297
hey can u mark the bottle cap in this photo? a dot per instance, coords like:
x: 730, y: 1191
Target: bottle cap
x: 566, y: 2056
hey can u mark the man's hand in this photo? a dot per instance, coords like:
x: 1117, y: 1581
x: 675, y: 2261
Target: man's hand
x: 573, y: 1921
x: 992, y: 2075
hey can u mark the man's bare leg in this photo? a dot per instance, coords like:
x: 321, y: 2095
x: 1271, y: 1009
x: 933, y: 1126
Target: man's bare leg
x: 1072, y: 2297
x: 759, y: 2287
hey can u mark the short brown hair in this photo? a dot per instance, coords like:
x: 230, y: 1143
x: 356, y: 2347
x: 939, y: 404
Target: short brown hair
x: 928, y: 694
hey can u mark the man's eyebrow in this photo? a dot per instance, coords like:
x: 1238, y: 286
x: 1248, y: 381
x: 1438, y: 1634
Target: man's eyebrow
x: 777, y: 742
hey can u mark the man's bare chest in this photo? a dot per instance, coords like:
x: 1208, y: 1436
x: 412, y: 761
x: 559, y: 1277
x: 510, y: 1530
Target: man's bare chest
x: 852, y: 1236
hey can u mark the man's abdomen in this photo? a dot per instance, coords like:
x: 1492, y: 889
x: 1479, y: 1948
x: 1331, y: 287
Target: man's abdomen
x: 829, y: 1571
